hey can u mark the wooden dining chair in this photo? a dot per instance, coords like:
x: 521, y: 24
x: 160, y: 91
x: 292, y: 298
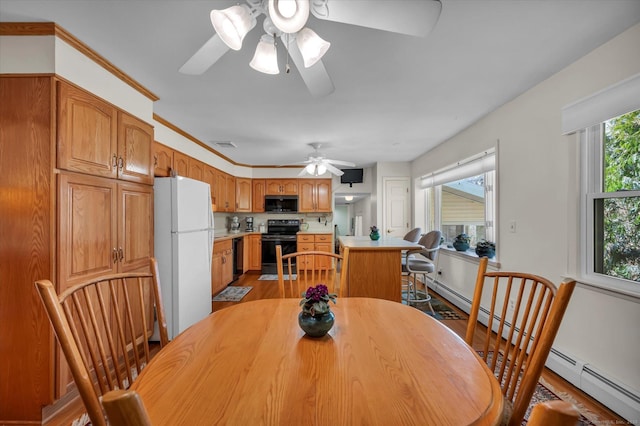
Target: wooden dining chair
x: 125, y: 408
x: 103, y: 326
x: 524, y: 315
x: 300, y: 270
x: 554, y: 413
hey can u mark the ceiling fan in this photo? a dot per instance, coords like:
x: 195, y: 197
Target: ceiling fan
x: 318, y: 164
x: 286, y: 20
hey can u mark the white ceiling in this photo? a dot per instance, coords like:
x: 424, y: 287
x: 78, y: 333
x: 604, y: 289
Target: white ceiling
x: 395, y: 98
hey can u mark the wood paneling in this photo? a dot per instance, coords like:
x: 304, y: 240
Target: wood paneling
x: 28, y: 229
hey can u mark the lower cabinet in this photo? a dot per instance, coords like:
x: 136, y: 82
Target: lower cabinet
x: 255, y: 252
x: 221, y: 265
x: 313, y: 242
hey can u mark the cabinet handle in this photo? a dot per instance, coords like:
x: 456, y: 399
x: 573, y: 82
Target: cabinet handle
x: 114, y: 255
x: 114, y: 161
x: 155, y: 160
x: 120, y: 163
x: 120, y: 254
x: 224, y: 260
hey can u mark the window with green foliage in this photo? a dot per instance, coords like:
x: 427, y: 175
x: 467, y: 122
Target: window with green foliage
x: 613, y: 202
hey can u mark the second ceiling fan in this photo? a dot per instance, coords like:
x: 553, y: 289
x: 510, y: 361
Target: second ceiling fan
x: 286, y: 20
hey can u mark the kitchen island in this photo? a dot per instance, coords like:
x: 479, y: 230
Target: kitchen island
x: 375, y: 268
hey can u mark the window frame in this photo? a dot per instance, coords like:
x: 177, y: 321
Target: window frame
x: 592, y: 182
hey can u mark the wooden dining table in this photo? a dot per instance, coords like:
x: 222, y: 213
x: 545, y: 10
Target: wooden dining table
x: 382, y: 363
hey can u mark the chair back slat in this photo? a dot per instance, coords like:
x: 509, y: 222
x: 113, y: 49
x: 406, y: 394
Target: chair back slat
x: 310, y: 268
x: 103, y: 327
x: 524, y: 314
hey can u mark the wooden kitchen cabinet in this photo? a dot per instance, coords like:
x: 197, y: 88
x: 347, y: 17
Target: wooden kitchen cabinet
x: 162, y: 160
x: 221, y: 265
x: 255, y: 252
x: 181, y: 163
x: 243, y: 195
x: 96, y: 138
x: 258, y: 192
x: 210, y: 178
x: 315, y: 196
x: 225, y: 192
x: 196, y: 169
x: 281, y: 186
x: 105, y: 227
x: 313, y: 242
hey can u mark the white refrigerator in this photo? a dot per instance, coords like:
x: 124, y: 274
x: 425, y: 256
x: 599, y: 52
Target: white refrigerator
x: 183, y: 245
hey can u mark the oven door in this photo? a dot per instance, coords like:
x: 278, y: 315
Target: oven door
x: 269, y: 243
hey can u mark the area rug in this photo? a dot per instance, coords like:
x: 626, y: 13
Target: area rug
x: 231, y: 294
x: 441, y: 309
x: 274, y: 277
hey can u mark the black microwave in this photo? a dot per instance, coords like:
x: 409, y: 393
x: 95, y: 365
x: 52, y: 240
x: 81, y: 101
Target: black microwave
x: 281, y: 203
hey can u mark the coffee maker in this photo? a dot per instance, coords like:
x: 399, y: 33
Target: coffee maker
x: 249, y: 222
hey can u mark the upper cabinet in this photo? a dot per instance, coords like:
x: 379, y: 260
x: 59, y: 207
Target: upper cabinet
x: 315, y: 195
x: 224, y: 192
x: 95, y: 138
x: 181, y: 163
x: 282, y: 187
x: 162, y: 160
x: 196, y: 169
x: 257, y: 193
x: 243, y: 195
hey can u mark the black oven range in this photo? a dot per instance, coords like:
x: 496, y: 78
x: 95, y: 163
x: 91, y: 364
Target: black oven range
x: 280, y: 232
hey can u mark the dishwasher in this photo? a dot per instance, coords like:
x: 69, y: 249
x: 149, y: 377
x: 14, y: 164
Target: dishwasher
x: 238, y: 257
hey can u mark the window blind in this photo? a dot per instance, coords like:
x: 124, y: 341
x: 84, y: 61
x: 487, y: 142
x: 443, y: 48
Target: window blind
x: 611, y: 102
x: 472, y: 166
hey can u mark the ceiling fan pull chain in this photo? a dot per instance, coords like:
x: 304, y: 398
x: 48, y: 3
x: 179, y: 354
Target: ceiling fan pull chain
x: 287, y: 68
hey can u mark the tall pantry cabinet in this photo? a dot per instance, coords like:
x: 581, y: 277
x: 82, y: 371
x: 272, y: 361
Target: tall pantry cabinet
x: 77, y: 202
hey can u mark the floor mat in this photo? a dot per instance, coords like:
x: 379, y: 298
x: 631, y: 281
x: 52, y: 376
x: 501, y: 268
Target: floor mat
x: 274, y: 277
x: 231, y: 294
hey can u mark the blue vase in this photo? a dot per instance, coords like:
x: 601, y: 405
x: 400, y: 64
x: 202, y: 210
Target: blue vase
x: 316, y: 325
x: 374, y: 235
x: 460, y: 246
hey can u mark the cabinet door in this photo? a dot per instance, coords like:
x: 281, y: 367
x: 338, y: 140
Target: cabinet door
x: 243, y: 195
x: 210, y: 178
x: 258, y: 192
x: 323, y: 243
x: 162, y: 160
x: 181, y: 163
x: 135, y: 142
x: 307, y: 196
x: 135, y: 227
x: 87, y: 214
x: 227, y: 266
x: 290, y: 186
x: 305, y: 262
x: 216, y: 272
x: 196, y: 169
x: 255, y: 252
x: 323, y: 195
x: 87, y: 133
x: 230, y: 191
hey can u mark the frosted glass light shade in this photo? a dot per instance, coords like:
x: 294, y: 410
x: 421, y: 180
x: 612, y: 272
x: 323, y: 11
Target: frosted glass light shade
x: 322, y: 169
x: 311, y: 46
x: 233, y: 24
x: 289, y: 16
x: 266, y: 57
x: 310, y: 168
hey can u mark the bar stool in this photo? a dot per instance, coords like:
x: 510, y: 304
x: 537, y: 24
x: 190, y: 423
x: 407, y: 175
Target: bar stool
x: 421, y: 262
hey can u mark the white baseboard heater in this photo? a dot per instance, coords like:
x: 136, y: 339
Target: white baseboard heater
x: 608, y: 391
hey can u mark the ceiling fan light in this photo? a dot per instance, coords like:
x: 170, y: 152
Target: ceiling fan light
x: 311, y: 168
x: 321, y: 169
x: 233, y: 24
x: 348, y: 197
x: 266, y: 57
x: 289, y: 16
x: 312, y: 46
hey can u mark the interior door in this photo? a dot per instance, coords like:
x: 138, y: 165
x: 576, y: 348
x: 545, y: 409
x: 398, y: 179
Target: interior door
x: 396, y: 207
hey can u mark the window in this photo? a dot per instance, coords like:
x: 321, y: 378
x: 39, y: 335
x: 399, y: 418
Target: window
x: 460, y: 199
x: 613, y: 200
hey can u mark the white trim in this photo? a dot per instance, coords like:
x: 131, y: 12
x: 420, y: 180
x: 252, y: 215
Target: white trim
x: 613, y: 101
x: 472, y: 166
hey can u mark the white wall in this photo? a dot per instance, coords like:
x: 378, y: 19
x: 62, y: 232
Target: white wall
x: 538, y: 187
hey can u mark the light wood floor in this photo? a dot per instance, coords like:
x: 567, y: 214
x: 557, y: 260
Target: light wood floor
x: 596, y: 412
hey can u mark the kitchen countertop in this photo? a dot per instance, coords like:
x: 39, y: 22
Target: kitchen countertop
x: 384, y: 243
x: 232, y: 235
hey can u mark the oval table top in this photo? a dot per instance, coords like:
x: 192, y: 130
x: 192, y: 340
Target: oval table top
x: 382, y: 363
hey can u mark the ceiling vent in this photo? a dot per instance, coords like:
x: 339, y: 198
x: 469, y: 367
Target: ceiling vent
x: 226, y: 144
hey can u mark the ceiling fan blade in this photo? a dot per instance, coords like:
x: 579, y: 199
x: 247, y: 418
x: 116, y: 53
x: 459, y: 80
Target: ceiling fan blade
x: 336, y: 171
x: 411, y: 17
x: 315, y: 77
x: 340, y: 163
x: 205, y: 57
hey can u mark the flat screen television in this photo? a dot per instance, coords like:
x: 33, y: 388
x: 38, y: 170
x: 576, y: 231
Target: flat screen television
x: 351, y: 176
